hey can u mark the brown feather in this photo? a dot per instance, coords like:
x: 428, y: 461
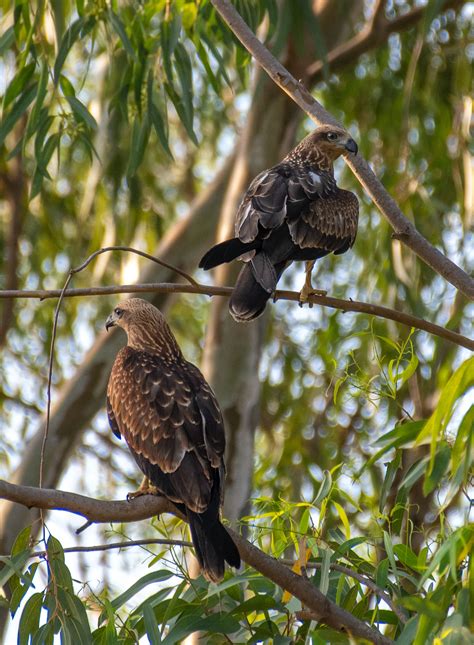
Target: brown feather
x: 171, y: 421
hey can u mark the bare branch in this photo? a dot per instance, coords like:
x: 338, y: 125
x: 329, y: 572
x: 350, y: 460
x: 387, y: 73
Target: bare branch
x: 94, y: 510
x: 294, y: 296
x: 375, y: 32
x: 404, y: 229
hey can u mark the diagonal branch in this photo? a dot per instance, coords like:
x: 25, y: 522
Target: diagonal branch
x: 375, y: 32
x: 293, y: 296
x: 405, y: 231
x: 94, y: 510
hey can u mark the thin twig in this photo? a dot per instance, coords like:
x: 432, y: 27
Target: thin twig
x: 115, y: 545
x: 367, y: 582
x: 129, y: 249
x: 147, y: 506
x: 294, y: 296
x: 404, y: 229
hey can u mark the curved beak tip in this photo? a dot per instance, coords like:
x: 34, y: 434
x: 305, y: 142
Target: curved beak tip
x: 351, y: 146
x: 109, y: 323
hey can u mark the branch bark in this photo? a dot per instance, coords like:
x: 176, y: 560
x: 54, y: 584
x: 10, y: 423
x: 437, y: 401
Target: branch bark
x: 94, y: 510
x: 405, y: 231
x: 374, y: 33
x: 292, y: 296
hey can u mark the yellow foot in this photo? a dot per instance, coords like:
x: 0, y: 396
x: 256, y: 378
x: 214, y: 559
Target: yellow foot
x: 308, y: 291
x: 146, y: 488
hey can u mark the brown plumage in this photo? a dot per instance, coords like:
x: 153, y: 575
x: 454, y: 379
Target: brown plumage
x: 171, y: 421
x: 293, y: 211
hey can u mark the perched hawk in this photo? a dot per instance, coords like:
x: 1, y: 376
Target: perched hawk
x: 293, y: 211
x: 173, y: 426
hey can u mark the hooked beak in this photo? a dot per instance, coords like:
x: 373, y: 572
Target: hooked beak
x: 351, y: 146
x: 110, y: 322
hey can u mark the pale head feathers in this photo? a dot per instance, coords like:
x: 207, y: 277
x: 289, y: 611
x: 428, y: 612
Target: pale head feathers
x: 145, y: 326
x: 325, y: 144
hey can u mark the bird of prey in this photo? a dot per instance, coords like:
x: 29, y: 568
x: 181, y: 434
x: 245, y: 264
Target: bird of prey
x: 293, y: 211
x: 172, y: 423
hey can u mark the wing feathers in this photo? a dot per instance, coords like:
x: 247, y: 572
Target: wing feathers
x: 167, y: 413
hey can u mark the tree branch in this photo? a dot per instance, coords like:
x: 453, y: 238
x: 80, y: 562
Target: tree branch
x: 94, y: 510
x: 293, y: 296
x: 404, y: 229
x: 374, y: 33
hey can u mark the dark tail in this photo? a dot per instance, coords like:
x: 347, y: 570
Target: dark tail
x: 226, y: 252
x: 249, y: 298
x: 212, y: 543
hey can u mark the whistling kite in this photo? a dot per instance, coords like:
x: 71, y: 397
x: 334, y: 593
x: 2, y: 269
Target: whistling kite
x: 173, y: 426
x: 293, y: 211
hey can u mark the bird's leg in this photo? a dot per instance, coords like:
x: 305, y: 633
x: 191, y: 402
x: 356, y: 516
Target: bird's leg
x: 307, y: 289
x: 146, y: 488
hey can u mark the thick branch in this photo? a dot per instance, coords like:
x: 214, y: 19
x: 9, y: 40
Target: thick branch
x: 404, y: 229
x: 148, y: 506
x: 294, y: 296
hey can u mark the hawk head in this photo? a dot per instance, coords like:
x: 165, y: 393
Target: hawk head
x: 331, y: 141
x: 145, y: 326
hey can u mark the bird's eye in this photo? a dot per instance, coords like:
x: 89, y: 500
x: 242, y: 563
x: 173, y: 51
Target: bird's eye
x: 332, y: 136
x: 118, y: 312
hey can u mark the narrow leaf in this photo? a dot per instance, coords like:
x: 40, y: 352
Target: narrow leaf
x: 119, y: 28
x: 16, y: 112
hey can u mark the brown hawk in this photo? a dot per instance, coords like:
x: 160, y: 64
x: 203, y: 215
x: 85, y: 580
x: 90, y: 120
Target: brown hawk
x: 171, y: 421
x: 293, y: 211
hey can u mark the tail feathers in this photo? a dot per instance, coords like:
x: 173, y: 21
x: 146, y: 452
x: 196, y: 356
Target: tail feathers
x: 213, y: 546
x: 226, y: 252
x: 249, y: 297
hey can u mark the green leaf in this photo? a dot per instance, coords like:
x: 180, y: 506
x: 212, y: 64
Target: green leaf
x: 140, y: 135
x: 68, y: 40
x: 325, y: 569
x: 66, y: 86
x: 30, y: 616
x: 406, y: 556
x: 414, y: 473
x: 462, y: 449
x: 423, y: 606
x: 381, y: 576
x: 34, y: 117
x: 170, y: 31
x: 402, y: 435
x: 260, y: 602
x: 150, y: 578
x: 181, y: 111
x: 22, y: 541
x: 389, y: 478
x: 390, y: 554
x: 22, y: 587
x: 458, y: 384
x: 7, y: 39
x: 214, y: 624
x: 119, y: 28
x: 158, y: 124
x: 81, y: 112
x: 17, y: 111
x: 343, y: 517
x: 324, y: 488
x: 440, y: 466
x: 13, y: 566
x: 185, y: 75
x: 151, y: 626
x: 17, y: 84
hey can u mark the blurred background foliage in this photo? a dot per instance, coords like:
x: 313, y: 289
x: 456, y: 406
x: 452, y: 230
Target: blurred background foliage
x: 115, y: 117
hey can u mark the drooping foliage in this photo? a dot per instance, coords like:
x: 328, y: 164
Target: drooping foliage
x: 115, y: 117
